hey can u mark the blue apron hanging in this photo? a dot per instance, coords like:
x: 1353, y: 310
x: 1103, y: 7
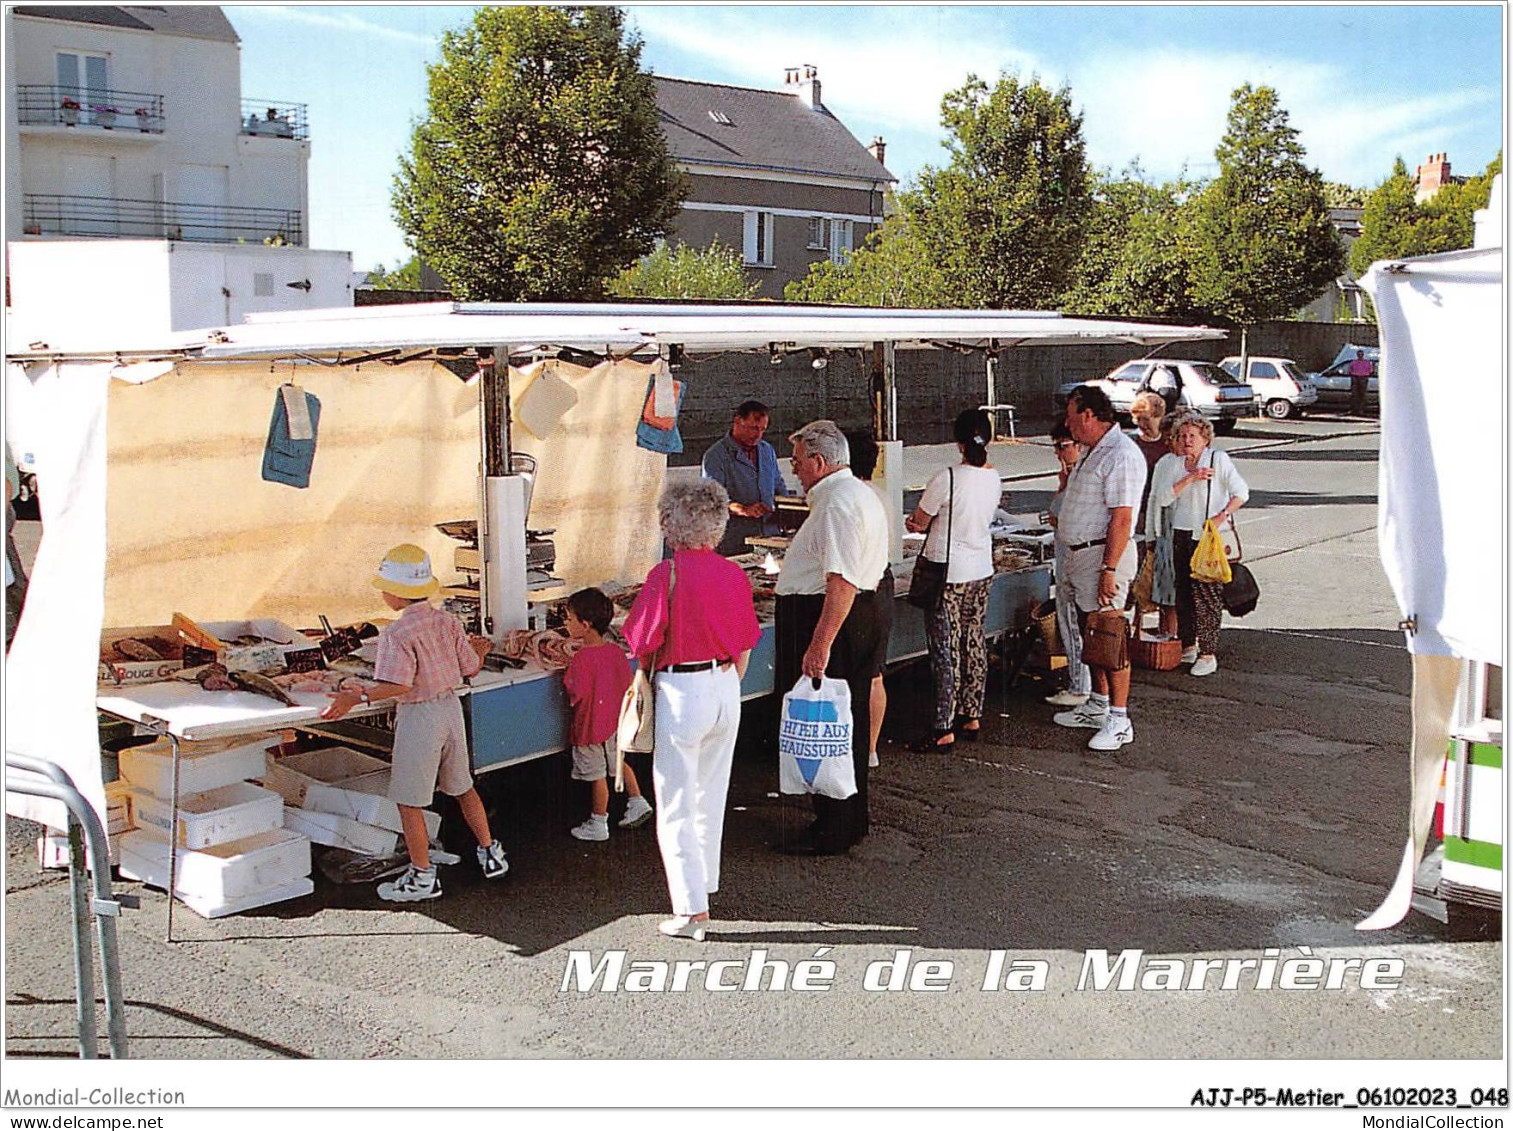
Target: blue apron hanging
x: 290, y: 452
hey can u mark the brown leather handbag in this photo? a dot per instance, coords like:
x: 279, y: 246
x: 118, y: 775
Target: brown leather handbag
x: 1105, y: 640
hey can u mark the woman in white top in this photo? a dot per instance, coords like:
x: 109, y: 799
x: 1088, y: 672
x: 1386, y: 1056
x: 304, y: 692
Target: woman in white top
x: 956, y: 509
x: 1197, y: 483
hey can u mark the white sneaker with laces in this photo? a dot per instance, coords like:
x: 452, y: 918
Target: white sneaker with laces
x: 592, y: 829
x: 1190, y: 655
x: 492, y: 861
x: 412, y: 886
x: 1114, y: 733
x: 1089, y: 715
x: 637, y: 813
x: 1066, y: 699
x: 1206, y: 665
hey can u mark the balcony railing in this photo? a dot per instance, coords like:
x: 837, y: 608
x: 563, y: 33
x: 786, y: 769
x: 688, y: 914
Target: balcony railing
x: 106, y: 216
x: 93, y: 109
x: 274, y: 119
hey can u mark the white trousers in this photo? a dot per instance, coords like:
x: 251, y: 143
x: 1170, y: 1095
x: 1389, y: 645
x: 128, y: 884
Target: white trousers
x: 697, y: 716
x: 1081, y: 679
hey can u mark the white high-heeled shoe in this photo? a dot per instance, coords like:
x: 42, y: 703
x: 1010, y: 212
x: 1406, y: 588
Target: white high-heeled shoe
x: 682, y: 927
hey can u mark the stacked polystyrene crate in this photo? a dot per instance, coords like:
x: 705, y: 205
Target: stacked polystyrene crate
x: 234, y: 853
x: 338, y: 796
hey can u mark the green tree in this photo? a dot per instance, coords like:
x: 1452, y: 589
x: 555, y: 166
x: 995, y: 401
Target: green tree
x: 891, y: 269
x: 1004, y: 221
x: 1262, y: 242
x: 540, y: 169
x: 1391, y: 223
x: 404, y: 276
x: 685, y: 272
x: 1135, y: 262
x: 1337, y: 195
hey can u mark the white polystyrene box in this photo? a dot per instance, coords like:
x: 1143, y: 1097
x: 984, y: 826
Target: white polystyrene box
x: 225, y: 872
x: 365, y: 799
x: 293, y: 774
x: 342, y: 832
x: 202, y: 765
x: 216, y: 816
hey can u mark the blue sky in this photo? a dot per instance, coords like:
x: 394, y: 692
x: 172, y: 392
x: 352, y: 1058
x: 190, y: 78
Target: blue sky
x: 1363, y: 83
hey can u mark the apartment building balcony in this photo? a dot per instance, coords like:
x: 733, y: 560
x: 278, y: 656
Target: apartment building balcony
x: 61, y: 107
x: 106, y: 217
x: 261, y: 118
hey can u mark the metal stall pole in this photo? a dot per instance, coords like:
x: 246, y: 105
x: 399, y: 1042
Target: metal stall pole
x: 106, y: 905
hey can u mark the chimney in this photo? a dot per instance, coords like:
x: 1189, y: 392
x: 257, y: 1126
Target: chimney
x: 1433, y: 175
x: 877, y: 149
x: 805, y: 82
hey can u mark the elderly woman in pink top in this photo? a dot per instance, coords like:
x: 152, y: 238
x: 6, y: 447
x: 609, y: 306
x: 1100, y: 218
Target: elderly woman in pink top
x: 693, y: 624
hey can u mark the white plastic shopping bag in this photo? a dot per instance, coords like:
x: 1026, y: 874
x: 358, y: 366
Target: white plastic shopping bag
x: 814, y: 739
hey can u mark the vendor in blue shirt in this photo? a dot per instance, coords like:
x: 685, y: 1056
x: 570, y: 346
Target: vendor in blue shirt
x: 747, y: 467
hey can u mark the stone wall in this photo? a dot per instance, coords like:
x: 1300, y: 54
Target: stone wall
x: 934, y: 385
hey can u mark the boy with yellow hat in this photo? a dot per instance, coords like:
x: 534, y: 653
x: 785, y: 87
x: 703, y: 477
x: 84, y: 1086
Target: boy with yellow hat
x: 422, y: 657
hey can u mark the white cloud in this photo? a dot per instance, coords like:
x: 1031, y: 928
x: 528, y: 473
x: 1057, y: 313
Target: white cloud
x: 892, y: 81
x: 336, y: 19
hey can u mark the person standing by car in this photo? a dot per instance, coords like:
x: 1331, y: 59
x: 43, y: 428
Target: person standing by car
x: 747, y: 467
x: 1360, y: 377
x: 957, y: 509
x: 1197, y: 483
x: 1098, y: 520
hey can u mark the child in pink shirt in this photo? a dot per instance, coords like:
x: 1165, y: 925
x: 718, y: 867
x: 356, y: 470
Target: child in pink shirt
x: 596, y: 679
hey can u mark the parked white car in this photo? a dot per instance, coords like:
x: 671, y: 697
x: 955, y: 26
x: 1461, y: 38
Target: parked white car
x: 1199, y: 385
x: 1281, y: 390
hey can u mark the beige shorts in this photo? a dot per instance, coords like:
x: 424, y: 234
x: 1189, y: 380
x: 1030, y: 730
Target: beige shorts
x: 1081, y: 577
x: 594, y: 762
x: 430, y: 752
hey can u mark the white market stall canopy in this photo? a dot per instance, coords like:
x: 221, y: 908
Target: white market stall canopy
x: 349, y: 334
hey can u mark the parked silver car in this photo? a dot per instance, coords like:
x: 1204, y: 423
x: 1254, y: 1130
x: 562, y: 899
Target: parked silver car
x: 1333, y: 383
x: 1121, y: 392
x: 1281, y: 391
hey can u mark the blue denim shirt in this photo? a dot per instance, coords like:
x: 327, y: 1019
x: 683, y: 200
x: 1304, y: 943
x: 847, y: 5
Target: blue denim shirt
x: 727, y: 464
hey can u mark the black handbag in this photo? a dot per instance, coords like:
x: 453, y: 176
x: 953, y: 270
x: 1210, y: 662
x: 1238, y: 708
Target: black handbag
x: 928, y: 585
x: 1241, y: 593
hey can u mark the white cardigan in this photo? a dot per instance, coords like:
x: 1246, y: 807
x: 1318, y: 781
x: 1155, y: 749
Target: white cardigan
x: 1187, y: 509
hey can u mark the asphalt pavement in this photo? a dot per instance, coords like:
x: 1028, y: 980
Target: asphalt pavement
x: 1263, y: 807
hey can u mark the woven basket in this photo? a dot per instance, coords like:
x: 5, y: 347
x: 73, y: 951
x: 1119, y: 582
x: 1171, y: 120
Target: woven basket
x: 1153, y: 654
x: 1044, y: 615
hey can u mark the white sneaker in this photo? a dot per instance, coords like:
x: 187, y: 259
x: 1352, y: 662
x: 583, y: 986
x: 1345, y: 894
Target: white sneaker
x: 1114, y: 733
x: 872, y: 762
x: 1190, y: 655
x: 1089, y: 715
x: 412, y: 886
x: 1067, y: 699
x: 1206, y: 665
x: 492, y: 861
x: 637, y: 813
x: 592, y: 829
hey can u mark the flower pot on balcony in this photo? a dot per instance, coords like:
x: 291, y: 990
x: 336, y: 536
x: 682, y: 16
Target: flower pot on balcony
x: 144, y: 121
x: 105, y: 119
x: 69, y: 115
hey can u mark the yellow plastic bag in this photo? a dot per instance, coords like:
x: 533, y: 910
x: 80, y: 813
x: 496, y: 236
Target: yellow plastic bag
x: 1209, y: 562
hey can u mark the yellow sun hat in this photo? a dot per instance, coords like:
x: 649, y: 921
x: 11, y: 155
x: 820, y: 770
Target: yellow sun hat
x: 406, y: 572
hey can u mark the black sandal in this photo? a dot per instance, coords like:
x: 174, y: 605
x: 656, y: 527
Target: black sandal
x: 971, y: 734
x: 933, y: 743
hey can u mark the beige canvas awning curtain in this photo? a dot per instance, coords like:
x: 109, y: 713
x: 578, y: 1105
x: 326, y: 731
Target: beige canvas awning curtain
x: 193, y: 528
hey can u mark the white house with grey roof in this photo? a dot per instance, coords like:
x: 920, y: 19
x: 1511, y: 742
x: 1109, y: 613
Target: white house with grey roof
x: 129, y: 122
x: 774, y: 173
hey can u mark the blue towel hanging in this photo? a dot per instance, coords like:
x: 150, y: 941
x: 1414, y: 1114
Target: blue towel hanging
x: 286, y: 459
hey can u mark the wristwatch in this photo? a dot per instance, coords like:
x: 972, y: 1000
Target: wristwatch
x: 363, y: 695
x: 1108, y: 569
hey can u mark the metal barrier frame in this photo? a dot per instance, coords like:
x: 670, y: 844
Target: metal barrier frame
x: 47, y: 779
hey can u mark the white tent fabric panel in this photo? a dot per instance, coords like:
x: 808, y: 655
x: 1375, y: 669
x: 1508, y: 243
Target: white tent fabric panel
x: 1442, y: 505
x: 50, y: 670
x: 622, y: 329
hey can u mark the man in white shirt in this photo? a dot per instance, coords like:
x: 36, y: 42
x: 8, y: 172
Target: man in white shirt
x: 827, y: 617
x: 1096, y: 519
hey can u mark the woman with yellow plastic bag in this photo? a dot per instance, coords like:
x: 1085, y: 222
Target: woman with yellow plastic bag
x: 1203, y: 489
